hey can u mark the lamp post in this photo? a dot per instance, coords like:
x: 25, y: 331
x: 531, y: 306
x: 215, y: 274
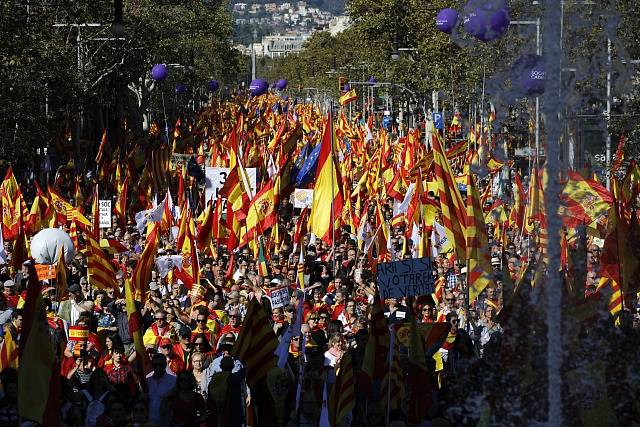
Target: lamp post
x: 539, y: 53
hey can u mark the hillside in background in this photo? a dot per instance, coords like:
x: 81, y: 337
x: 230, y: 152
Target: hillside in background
x: 336, y: 7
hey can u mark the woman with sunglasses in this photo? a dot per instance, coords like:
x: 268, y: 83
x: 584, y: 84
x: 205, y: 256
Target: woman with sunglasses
x: 201, y: 344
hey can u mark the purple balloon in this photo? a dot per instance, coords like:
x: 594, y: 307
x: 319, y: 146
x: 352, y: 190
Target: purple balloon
x: 498, y: 24
x: 372, y: 80
x: 346, y: 88
x: 159, y: 72
x: 476, y: 24
x: 281, y: 84
x: 446, y: 20
x: 180, y: 89
x: 486, y: 20
x: 213, y: 85
x: 258, y: 87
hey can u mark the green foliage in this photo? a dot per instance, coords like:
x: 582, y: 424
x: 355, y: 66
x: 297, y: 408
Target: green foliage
x: 103, y: 78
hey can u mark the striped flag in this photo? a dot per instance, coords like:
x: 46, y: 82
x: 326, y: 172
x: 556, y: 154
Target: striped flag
x: 478, y: 256
x: 142, y: 272
x: 374, y: 364
x: 326, y: 191
x: 256, y: 344
x: 454, y: 215
x: 95, y: 213
x: 342, y: 399
x: 101, y: 272
x: 160, y: 168
x: 186, y: 244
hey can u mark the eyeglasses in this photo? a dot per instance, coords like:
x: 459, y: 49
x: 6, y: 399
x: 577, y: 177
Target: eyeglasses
x: 198, y: 343
x: 450, y: 299
x: 201, y: 320
x: 159, y: 318
x: 426, y: 309
x: 234, y: 316
x: 454, y: 320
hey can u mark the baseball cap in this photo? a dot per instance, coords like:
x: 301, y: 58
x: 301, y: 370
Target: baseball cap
x: 9, y: 283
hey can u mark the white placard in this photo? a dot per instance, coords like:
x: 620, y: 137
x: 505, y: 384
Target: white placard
x: 216, y: 177
x: 280, y: 297
x: 302, y: 198
x: 105, y: 213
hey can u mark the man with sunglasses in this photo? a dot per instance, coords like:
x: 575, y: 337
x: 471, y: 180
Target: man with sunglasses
x: 204, y: 326
x: 234, y: 325
x: 159, y: 329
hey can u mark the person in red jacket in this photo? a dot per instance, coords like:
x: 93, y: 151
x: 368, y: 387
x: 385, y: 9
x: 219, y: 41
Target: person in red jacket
x: 174, y: 361
x: 10, y: 294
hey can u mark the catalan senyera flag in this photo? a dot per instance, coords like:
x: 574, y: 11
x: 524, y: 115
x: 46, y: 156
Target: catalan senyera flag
x: 478, y: 256
x: 160, y: 168
x: 375, y: 365
x: 348, y: 97
x: 38, y: 379
x: 142, y: 273
x: 261, y: 214
x: 326, y: 190
x: 9, y: 352
x: 101, y: 272
x: 454, y: 216
x: 342, y: 398
x: 256, y: 344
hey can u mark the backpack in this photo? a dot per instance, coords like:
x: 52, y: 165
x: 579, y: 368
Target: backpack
x: 95, y: 408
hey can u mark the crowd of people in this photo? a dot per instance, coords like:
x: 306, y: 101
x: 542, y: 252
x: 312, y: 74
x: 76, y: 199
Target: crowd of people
x: 482, y: 356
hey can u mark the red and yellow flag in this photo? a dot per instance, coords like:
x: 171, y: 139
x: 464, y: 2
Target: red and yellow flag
x: 454, y: 216
x: 326, y: 191
x: 478, y: 256
x: 142, y: 272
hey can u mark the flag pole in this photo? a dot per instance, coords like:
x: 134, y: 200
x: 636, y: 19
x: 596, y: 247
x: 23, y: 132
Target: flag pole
x: 333, y: 192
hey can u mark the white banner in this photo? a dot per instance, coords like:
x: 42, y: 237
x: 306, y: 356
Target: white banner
x: 105, y: 213
x: 216, y: 177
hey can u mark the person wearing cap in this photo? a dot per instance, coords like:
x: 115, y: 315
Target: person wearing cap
x: 10, y: 294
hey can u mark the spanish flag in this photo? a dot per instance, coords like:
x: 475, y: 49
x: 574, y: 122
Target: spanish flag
x: 348, y: 97
x: 326, y: 191
x: 261, y: 215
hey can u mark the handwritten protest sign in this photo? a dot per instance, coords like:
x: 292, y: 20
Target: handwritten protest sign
x: 406, y: 278
x: 105, y: 213
x: 280, y: 297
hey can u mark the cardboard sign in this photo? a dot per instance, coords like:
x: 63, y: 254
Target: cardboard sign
x: 302, y: 198
x: 45, y: 271
x: 280, y: 297
x: 406, y: 278
x: 215, y: 179
x: 104, y: 207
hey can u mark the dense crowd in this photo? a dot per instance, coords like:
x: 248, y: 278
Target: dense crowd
x: 480, y: 358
